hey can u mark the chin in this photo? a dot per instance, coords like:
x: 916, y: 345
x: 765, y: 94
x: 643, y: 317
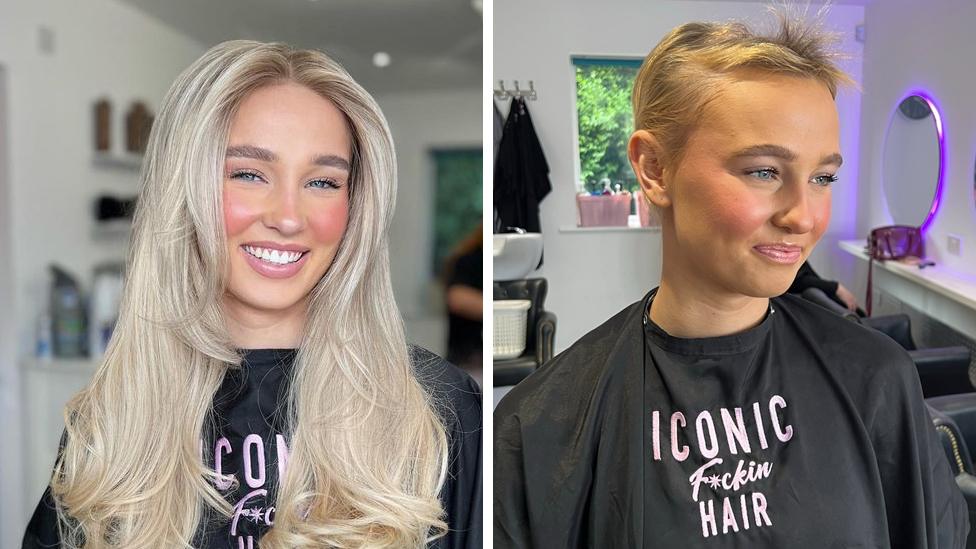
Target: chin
x: 774, y: 290
x: 766, y: 288
x: 265, y: 301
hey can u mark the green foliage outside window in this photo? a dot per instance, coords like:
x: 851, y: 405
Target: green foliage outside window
x: 606, y: 120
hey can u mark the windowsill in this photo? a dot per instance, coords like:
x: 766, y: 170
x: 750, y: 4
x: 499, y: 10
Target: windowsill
x: 575, y: 229
x: 959, y: 288
x: 633, y: 226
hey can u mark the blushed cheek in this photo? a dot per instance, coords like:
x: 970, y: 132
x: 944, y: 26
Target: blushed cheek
x: 822, y: 217
x: 239, y: 214
x: 328, y: 222
x: 736, y: 214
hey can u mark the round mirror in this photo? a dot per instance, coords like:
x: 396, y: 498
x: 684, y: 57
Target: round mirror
x: 913, y: 161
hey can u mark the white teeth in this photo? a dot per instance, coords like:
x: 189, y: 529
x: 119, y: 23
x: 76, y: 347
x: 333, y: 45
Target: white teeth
x: 273, y: 256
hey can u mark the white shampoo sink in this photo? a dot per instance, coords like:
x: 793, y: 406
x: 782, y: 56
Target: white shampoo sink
x: 514, y: 255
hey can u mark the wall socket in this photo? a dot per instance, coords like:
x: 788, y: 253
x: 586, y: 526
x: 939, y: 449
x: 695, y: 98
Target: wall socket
x: 954, y: 244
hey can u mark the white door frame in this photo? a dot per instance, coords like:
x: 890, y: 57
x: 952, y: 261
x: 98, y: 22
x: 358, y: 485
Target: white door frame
x: 11, y: 456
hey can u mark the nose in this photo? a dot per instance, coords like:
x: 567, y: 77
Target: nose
x: 798, y: 210
x: 283, y: 211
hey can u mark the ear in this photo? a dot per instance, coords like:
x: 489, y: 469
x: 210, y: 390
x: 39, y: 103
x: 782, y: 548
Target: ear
x: 646, y: 158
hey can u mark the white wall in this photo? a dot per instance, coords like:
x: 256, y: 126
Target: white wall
x: 904, y: 51
x: 592, y: 275
x: 421, y: 123
x: 8, y: 410
x: 101, y: 48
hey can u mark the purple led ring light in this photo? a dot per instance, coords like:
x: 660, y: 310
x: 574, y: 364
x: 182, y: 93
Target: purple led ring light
x: 937, y: 199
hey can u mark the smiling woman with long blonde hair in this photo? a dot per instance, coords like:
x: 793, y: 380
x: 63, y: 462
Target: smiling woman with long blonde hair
x: 258, y: 387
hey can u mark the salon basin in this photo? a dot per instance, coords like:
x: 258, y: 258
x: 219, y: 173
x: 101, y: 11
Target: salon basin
x: 515, y: 255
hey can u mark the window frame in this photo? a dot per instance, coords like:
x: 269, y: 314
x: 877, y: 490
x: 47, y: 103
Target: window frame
x: 576, y: 60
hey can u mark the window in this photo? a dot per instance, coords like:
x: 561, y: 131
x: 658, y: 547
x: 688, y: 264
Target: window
x: 457, y: 204
x: 606, y: 120
x: 608, y: 194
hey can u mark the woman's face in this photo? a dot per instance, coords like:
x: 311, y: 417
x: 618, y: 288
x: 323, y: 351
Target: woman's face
x: 751, y: 195
x: 286, y: 198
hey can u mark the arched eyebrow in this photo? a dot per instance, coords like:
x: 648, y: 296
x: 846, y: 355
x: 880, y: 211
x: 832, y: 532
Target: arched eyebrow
x: 259, y: 153
x: 778, y: 151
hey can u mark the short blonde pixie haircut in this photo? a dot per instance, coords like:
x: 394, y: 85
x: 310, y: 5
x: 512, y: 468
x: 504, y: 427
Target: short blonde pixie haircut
x: 688, y: 68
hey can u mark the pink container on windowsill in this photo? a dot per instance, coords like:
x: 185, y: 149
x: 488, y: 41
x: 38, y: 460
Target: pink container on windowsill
x: 604, y: 210
x: 648, y: 216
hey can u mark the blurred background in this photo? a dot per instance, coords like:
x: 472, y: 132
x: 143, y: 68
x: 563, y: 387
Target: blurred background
x: 79, y: 84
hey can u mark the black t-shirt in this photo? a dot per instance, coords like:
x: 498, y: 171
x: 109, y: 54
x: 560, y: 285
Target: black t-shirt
x: 464, y: 335
x: 250, y: 444
x: 806, y: 431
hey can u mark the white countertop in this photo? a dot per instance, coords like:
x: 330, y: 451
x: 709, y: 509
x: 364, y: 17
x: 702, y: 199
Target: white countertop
x: 955, y: 286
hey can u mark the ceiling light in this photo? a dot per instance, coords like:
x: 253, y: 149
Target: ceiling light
x: 381, y: 59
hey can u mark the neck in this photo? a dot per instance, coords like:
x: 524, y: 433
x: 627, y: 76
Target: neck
x: 689, y: 305
x: 688, y: 313
x: 251, y: 328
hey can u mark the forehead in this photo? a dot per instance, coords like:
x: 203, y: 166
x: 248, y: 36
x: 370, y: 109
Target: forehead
x: 752, y: 108
x: 289, y: 115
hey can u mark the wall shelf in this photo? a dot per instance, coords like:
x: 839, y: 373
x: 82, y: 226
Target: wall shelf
x: 72, y: 366
x: 940, y: 293
x: 112, y: 230
x: 575, y: 229
x: 121, y: 161
x: 936, y: 278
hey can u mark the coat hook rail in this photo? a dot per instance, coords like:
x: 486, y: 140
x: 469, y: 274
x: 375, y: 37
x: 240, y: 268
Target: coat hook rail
x: 501, y: 92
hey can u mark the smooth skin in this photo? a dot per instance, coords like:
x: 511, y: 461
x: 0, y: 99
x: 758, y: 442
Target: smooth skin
x: 299, y: 194
x: 756, y: 170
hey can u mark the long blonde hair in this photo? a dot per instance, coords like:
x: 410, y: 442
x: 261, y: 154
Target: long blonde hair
x: 368, y: 453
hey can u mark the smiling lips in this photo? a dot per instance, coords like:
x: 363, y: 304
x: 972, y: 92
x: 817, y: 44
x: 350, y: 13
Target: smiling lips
x: 274, y: 260
x: 785, y: 254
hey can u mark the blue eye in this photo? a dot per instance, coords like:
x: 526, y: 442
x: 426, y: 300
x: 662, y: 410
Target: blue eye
x: 764, y: 174
x: 324, y: 184
x: 825, y: 180
x: 246, y: 176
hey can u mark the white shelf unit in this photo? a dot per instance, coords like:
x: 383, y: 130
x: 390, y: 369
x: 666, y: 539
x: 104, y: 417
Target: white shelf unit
x: 936, y: 290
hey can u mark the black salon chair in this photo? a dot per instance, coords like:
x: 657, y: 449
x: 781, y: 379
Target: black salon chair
x: 540, y: 325
x: 954, y: 417
x: 942, y: 370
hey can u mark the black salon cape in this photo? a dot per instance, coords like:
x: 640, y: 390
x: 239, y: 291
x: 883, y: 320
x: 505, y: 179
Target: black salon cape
x: 521, y: 171
x: 245, y: 406
x: 576, y: 464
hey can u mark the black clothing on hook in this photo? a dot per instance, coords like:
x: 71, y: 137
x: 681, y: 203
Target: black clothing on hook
x: 521, y: 171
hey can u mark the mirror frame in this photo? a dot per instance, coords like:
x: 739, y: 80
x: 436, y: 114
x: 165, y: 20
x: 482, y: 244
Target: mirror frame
x: 940, y: 184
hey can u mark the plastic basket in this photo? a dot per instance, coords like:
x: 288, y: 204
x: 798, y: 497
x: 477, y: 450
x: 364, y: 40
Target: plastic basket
x: 603, y: 210
x: 509, y: 322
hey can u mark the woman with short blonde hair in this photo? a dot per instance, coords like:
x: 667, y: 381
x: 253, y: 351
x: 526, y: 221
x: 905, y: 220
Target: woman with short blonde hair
x: 716, y: 412
x: 258, y: 387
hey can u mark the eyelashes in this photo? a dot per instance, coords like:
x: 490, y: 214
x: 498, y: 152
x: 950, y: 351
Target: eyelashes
x: 825, y: 180
x: 771, y: 174
x: 253, y: 176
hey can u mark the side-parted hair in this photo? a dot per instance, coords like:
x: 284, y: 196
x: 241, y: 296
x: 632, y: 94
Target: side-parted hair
x: 368, y: 452
x: 688, y: 67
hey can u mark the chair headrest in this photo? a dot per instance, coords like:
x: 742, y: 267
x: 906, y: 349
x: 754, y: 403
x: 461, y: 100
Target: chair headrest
x: 954, y: 441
